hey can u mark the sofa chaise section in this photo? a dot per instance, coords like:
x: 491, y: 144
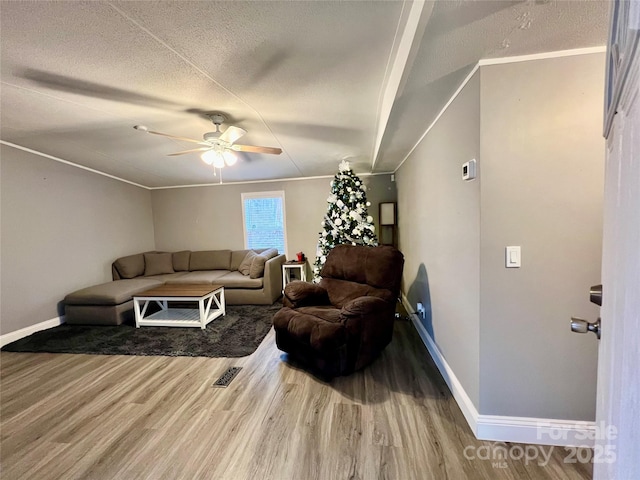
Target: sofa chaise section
x: 109, y: 303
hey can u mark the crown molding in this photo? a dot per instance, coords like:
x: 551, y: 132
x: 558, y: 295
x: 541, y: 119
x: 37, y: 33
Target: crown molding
x: 93, y: 170
x: 67, y: 162
x: 542, y: 56
x: 294, y: 179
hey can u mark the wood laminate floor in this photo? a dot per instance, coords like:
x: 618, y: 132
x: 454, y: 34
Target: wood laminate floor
x: 125, y: 417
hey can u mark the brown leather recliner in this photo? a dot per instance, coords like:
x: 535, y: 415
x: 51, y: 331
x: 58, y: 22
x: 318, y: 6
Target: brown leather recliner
x: 342, y: 323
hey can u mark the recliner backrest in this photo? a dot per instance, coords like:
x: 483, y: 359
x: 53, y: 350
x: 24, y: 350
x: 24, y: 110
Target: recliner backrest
x: 341, y: 292
x: 379, y: 267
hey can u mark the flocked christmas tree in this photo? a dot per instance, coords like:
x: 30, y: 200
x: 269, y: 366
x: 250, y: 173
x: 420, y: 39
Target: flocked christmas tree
x: 347, y: 220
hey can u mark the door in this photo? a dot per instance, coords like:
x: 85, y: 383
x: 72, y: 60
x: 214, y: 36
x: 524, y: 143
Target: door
x: 617, y: 451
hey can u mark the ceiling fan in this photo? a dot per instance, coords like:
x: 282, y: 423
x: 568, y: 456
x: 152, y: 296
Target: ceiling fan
x: 218, y: 147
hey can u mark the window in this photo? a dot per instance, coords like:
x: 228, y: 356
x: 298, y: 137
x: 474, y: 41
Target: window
x: 264, y: 220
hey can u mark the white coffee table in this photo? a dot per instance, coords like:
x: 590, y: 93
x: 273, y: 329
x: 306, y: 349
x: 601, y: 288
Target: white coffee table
x: 210, y: 300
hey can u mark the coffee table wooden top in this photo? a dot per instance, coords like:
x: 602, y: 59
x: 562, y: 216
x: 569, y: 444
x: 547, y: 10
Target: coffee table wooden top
x: 180, y: 290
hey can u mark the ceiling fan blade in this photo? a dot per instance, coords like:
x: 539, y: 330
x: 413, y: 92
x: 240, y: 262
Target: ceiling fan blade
x: 231, y: 134
x: 201, y: 149
x: 252, y: 149
x: 184, y: 139
x: 142, y: 128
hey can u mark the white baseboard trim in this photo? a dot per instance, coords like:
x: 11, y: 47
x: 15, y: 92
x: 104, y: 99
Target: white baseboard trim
x: 539, y: 431
x: 459, y: 394
x: 26, y: 331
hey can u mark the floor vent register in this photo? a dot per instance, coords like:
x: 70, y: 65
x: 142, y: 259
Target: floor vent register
x: 226, y: 377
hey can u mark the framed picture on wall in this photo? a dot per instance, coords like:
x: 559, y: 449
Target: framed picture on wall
x: 388, y: 213
x: 622, y: 52
x: 388, y: 221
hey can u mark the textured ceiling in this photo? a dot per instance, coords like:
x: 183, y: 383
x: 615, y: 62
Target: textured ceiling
x: 309, y: 77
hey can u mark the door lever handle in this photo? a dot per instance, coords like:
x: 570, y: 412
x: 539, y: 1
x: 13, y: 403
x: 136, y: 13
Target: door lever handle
x: 578, y: 325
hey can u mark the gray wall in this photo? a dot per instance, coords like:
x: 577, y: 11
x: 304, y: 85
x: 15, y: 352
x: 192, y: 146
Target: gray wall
x: 200, y: 218
x: 505, y: 332
x: 61, y: 227
x: 439, y: 232
x: 542, y: 185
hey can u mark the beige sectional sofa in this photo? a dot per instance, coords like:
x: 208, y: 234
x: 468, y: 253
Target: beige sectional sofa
x: 249, y: 277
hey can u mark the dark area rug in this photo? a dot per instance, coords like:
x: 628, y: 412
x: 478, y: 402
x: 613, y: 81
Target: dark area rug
x: 237, y: 334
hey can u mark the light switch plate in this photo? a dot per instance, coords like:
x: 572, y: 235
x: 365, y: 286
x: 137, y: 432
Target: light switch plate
x: 512, y: 257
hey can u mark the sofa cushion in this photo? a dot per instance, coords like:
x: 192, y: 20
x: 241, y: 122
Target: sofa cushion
x: 245, y: 267
x: 257, y: 265
x: 110, y: 293
x: 165, y: 277
x: 210, y: 260
x: 181, y: 260
x: 238, y: 280
x: 209, y: 276
x: 157, y: 264
x: 130, y: 266
x: 237, y: 256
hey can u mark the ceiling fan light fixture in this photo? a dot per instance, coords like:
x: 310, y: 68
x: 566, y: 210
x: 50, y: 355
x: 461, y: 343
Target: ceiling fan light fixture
x: 230, y: 157
x: 209, y: 156
x: 218, y: 161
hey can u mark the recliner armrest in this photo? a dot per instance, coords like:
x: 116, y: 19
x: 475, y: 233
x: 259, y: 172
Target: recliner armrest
x: 368, y: 323
x: 369, y: 320
x: 300, y: 294
x: 364, y: 306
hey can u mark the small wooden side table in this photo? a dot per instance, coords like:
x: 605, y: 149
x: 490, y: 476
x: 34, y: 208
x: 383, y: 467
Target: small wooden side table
x: 293, y: 265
